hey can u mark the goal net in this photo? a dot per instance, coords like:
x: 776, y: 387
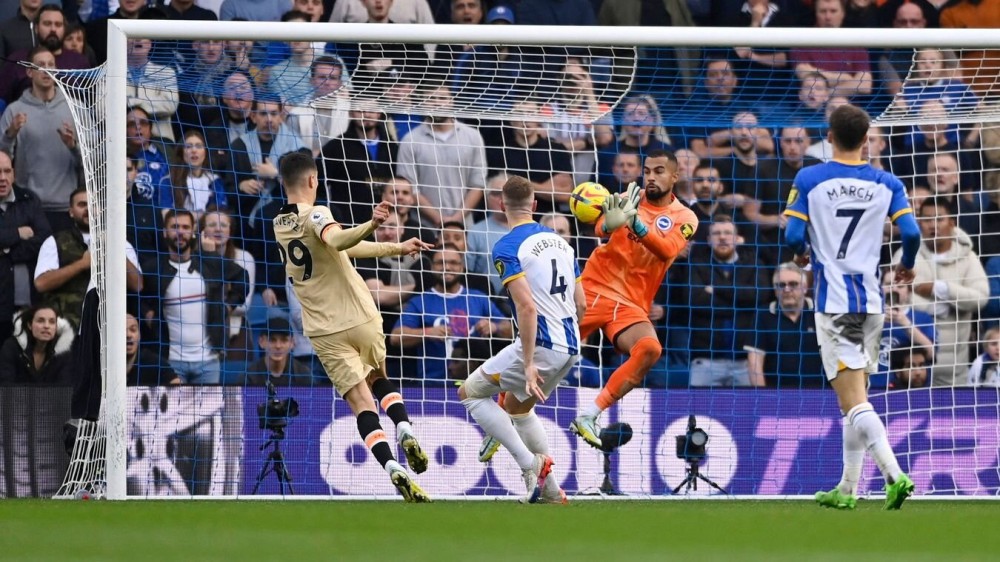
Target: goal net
x: 434, y: 123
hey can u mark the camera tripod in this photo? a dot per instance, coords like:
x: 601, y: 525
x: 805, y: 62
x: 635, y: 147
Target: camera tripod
x: 275, y: 463
x: 607, y: 487
x: 692, y: 478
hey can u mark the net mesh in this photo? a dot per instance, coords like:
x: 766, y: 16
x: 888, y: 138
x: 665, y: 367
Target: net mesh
x: 85, y: 90
x: 86, y: 476
x: 487, y: 82
x: 436, y: 137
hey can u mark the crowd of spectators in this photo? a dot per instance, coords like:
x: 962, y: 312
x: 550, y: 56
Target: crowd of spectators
x: 208, y: 122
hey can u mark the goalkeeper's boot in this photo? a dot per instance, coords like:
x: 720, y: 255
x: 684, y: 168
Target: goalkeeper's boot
x: 415, y: 456
x: 488, y: 448
x: 897, y: 492
x: 836, y: 499
x: 405, y: 485
x: 535, y: 477
x: 552, y: 493
x: 586, y: 428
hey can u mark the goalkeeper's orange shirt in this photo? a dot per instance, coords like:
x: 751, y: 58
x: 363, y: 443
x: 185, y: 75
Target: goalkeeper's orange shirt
x: 629, y: 269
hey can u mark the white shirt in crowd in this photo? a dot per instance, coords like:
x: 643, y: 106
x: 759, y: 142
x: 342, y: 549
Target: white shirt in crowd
x: 184, y: 309
x: 821, y: 150
x: 984, y: 372
x: 200, y: 191
x: 48, y: 258
x: 316, y: 126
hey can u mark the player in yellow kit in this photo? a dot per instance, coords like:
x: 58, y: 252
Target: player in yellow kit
x: 339, y: 314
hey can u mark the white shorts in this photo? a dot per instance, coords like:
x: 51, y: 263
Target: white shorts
x: 848, y: 341
x: 504, y: 372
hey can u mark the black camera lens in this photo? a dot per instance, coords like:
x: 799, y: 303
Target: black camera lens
x: 274, y: 413
x: 691, y: 445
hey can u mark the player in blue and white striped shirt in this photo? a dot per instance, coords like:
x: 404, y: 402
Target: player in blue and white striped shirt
x: 843, y: 204
x: 539, y: 270
x: 548, y: 263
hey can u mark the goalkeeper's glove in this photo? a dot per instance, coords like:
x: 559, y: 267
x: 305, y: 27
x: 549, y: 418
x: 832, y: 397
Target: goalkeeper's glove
x: 634, y: 194
x: 638, y: 227
x: 617, y: 212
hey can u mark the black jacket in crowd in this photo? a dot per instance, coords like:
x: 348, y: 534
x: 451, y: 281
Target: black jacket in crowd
x: 17, y: 362
x: 225, y: 286
x: 739, y: 288
x: 149, y: 369
x: 347, y: 170
x: 25, y: 210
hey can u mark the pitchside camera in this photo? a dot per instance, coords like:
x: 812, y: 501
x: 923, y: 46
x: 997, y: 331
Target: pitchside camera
x: 691, y: 445
x: 691, y: 449
x: 612, y: 437
x: 274, y: 413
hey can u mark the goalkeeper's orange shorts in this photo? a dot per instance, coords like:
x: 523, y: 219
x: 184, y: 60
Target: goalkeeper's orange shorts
x: 609, y: 315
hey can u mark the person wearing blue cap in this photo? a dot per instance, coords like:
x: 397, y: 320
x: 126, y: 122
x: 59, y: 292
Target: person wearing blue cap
x: 505, y: 69
x: 500, y: 14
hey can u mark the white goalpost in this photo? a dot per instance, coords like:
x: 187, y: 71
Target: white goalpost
x: 101, y: 462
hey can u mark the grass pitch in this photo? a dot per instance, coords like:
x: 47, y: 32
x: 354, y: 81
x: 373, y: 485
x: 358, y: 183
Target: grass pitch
x: 736, y: 531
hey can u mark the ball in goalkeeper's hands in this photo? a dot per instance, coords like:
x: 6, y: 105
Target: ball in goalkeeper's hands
x: 586, y: 200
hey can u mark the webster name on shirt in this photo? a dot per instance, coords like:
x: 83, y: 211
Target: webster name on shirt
x: 547, y: 243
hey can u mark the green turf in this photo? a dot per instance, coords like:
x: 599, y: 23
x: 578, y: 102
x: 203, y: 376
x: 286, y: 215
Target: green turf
x: 736, y: 531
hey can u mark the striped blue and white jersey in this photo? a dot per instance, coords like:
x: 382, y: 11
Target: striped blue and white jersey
x: 845, y: 206
x: 548, y: 263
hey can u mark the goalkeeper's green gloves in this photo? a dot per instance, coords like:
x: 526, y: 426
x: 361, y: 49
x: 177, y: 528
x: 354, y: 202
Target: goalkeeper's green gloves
x: 617, y: 212
x: 633, y: 194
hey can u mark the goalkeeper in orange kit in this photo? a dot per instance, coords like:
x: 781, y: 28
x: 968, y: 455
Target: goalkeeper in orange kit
x: 647, y: 229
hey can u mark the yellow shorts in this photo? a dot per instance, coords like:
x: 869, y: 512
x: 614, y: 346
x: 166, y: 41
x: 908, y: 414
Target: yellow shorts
x: 349, y: 356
